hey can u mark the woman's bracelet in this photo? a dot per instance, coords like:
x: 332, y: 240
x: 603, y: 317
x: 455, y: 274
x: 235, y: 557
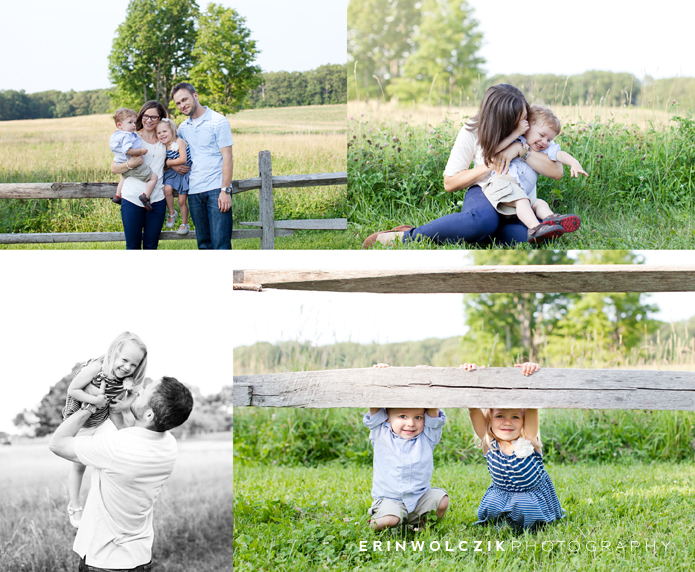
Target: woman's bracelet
x: 126, y: 163
x: 525, y: 150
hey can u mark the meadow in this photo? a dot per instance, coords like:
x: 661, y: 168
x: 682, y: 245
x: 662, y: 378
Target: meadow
x: 302, y: 140
x: 193, y: 518
x: 625, y: 479
x: 640, y: 192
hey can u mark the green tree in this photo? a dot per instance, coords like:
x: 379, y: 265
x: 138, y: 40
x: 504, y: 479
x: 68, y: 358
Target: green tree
x: 225, y: 52
x: 445, y: 60
x: 380, y: 39
x: 152, y: 49
x: 510, y: 326
x: 507, y: 327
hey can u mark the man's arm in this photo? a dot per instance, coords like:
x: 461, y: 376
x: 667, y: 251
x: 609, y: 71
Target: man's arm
x: 225, y: 200
x: 62, y: 442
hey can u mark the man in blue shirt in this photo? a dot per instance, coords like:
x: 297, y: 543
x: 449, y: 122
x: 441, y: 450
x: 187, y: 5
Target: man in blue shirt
x: 209, y: 137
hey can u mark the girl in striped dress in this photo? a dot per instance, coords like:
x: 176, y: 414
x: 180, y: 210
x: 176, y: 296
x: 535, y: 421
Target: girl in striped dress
x: 521, y: 492
x: 178, y: 153
x: 113, y: 377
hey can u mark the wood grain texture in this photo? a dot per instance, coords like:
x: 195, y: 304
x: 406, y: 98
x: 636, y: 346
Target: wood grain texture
x: 454, y: 387
x: 265, y: 201
x: 307, y: 224
x: 61, y: 237
x: 107, y: 190
x: 482, y: 279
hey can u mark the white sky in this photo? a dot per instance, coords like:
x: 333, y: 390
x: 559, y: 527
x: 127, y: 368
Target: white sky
x: 640, y: 37
x: 330, y: 317
x: 60, y: 308
x: 65, y: 45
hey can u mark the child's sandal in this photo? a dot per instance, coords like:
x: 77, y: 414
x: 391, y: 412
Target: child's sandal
x: 171, y: 219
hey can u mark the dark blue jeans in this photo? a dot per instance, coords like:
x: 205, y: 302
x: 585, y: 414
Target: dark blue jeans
x: 213, y: 229
x: 477, y: 223
x: 142, y: 227
x: 84, y: 567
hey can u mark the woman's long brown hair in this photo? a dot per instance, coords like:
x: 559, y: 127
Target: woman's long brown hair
x: 500, y: 112
x: 152, y: 104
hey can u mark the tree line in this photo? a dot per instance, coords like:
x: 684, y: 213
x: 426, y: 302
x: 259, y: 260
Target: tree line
x: 429, y: 51
x: 50, y: 104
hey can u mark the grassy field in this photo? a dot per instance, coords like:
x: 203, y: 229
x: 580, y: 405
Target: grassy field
x: 639, y: 194
x: 618, y: 517
x: 192, y: 517
x: 301, y: 140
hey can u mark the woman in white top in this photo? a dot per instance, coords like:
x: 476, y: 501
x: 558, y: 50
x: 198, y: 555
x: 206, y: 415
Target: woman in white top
x: 142, y: 227
x: 488, y: 140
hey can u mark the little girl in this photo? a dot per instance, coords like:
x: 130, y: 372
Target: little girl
x: 178, y: 153
x: 521, y: 491
x: 121, y: 370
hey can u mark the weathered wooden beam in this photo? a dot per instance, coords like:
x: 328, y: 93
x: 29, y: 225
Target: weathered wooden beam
x: 455, y: 387
x: 259, y: 233
x: 307, y: 224
x: 63, y: 237
x: 289, y: 181
x: 265, y: 201
x: 107, y: 190
x: 481, y: 279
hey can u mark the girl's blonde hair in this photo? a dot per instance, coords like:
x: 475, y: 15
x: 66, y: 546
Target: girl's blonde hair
x: 115, y: 349
x: 489, y: 435
x: 171, y: 124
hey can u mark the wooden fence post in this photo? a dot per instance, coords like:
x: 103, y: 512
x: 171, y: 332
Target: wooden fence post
x: 265, y: 201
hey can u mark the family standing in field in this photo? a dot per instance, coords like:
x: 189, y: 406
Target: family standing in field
x: 155, y: 158
x: 521, y: 495
x: 132, y: 455
x: 509, y: 143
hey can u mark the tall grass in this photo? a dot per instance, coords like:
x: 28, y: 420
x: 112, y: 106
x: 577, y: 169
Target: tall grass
x: 192, y: 516
x: 301, y: 141
x: 313, y: 437
x: 640, y: 192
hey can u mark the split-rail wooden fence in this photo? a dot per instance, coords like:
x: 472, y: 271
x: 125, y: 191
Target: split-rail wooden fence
x: 486, y: 387
x: 268, y: 229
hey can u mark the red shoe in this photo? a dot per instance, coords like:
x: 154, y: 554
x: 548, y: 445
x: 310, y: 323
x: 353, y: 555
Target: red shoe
x: 569, y: 222
x: 544, y: 232
x: 145, y: 201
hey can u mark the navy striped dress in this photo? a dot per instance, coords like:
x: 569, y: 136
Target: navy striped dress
x: 521, y: 490
x: 177, y: 181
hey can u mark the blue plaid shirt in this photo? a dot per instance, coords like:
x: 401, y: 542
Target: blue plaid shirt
x: 402, y: 467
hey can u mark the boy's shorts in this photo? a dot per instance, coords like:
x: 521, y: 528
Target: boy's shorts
x: 142, y: 173
x: 427, y: 503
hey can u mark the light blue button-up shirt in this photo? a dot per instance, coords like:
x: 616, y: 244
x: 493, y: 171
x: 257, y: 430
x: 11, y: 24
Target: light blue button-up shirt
x: 205, y: 140
x: 523, y: 174
x: 402, y: 467
x: 123, y: 141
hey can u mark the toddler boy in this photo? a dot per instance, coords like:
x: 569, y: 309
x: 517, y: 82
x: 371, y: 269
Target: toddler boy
x: 126, y: 143
x: 403, y: 441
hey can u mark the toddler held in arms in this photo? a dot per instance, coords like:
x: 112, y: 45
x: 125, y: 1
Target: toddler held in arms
x: 514, y: 192
x: 126, y: 143
x: 101, y: 384
x: 404, y: 441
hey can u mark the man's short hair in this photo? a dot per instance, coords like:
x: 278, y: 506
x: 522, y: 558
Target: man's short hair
x: 171, y: 404
x: 183, y: 85
x: 544, y: 116
x: 121, y: 113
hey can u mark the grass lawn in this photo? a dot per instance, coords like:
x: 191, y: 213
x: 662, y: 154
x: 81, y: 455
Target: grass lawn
x: 619, y: 517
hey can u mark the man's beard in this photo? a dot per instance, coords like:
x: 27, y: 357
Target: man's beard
x: 194, y: 108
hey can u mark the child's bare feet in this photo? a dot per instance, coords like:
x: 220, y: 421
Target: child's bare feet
x: 470, y: 366
x: 381, y: 365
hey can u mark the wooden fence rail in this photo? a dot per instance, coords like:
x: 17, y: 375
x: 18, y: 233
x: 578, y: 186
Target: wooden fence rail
x: 454, y: 387
x: 266, y: 182
x: 481, y: 279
